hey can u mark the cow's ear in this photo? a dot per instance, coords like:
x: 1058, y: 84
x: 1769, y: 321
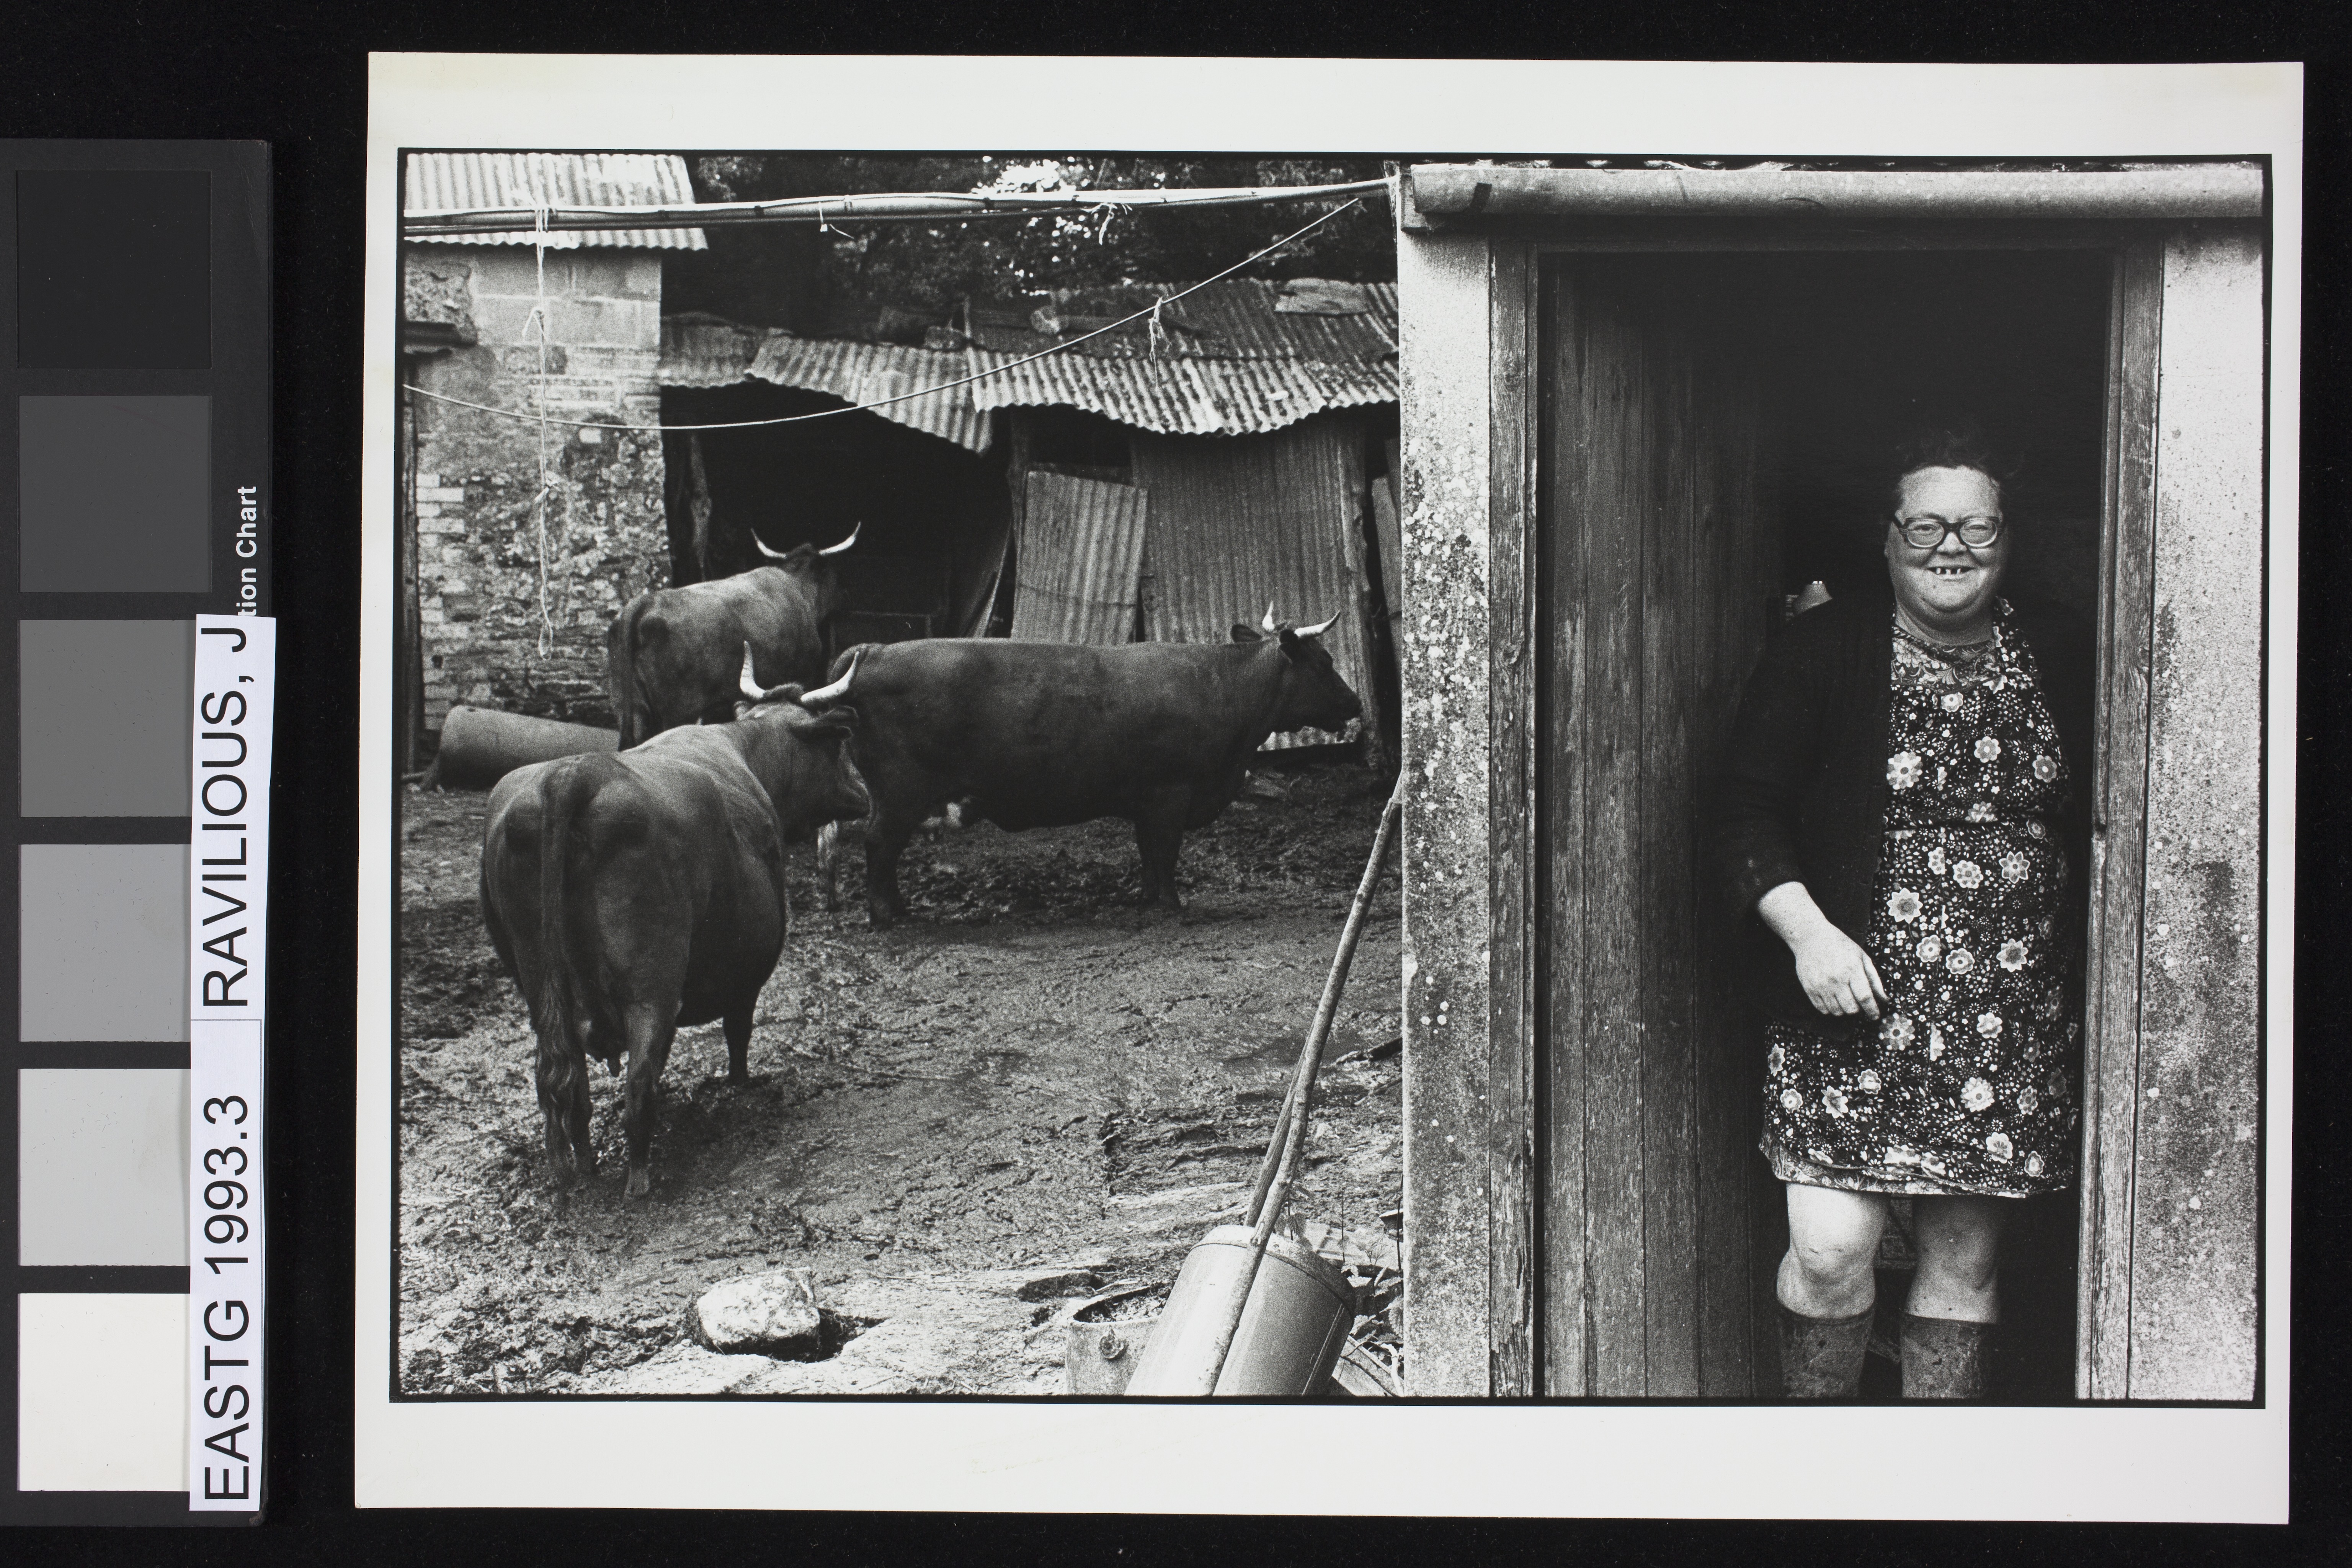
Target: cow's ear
x: 1244, y: 633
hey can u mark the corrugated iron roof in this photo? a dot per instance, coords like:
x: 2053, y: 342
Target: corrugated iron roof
x: 1235, y: 317
x: 1080, y: 556
x: 438, y: 182
x: 1242, y: 357
x: 1183, y: 396
x: 703, y: 350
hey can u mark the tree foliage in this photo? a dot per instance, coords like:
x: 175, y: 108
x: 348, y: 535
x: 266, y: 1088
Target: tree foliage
x: 838, y: 279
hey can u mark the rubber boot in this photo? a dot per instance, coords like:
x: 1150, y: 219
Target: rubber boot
x: 1943, y: 1358
x: 1820, y: 1358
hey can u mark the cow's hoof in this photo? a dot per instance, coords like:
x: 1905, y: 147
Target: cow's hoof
x: 739, y: 1080
x: 641, y: 1182
x: 881, y: 919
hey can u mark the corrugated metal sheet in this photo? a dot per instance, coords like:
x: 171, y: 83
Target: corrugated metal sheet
x: 438, y: 182
x: 1235, y: 317
x: 1184, y: 397
x: 1081, y: 555
x: 702, y: 350
x: 1236, y: 365
x: 1236, y: 525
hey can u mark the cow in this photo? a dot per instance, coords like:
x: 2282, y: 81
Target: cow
x: 629, y: 893
x: 1036, y: 734
x: 670, y: 653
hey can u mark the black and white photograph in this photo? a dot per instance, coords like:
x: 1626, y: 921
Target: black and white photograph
x: 1622, y: 785
x: 980, y: 577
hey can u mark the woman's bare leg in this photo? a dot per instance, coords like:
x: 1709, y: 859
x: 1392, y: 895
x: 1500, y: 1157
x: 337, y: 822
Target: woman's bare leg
x: 1833, y: 1248
x: 1959, y: 1257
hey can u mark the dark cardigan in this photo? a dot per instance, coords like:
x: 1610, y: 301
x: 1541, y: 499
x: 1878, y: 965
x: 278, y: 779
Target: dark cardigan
x: 1804, y: 789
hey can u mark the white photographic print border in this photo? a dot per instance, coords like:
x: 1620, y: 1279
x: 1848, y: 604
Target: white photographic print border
x: 1472, y: 1457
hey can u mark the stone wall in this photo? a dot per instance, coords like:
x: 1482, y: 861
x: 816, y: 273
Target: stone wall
x: 515, y: 598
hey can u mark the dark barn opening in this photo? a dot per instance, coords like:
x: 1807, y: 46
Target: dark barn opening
x: 1716, y: 431
x: 933, y: 514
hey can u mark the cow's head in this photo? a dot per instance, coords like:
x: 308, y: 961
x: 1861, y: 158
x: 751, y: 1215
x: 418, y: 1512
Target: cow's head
x: 823, y: 784
x: 1310, y: 693
x: 815, y: 567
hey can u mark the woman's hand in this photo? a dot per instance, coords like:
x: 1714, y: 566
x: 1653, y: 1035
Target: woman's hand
x: 1837, y: 976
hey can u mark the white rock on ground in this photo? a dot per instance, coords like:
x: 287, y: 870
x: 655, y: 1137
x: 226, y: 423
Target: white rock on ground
x: 929, y: 1333
x: 772, y: 1314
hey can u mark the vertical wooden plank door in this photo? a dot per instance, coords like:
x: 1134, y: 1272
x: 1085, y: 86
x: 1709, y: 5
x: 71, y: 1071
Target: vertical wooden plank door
x: 1658, y: 554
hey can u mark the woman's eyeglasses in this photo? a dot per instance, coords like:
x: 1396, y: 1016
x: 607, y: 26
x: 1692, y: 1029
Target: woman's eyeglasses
x: 1928, y: 532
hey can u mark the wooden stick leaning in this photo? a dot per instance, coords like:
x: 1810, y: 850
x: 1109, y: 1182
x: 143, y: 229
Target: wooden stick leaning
x: 1281, y: 1164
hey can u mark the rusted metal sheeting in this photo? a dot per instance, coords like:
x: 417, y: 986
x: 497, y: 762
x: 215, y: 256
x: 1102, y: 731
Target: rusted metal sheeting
x: 1259, y: 520
x: 1235, y: 317
x: 1081, y: 556
x: 703, y: 350
x: 870, y: 373
x: 440, y: 180
x: 1184, y: 395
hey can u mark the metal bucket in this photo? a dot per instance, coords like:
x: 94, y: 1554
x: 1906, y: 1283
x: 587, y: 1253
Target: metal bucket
x: 1103, y: 1349
x: 1300, y: 1309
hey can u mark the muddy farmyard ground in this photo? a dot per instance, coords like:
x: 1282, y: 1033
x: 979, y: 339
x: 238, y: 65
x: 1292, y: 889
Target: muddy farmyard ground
x: 1029, y: 1092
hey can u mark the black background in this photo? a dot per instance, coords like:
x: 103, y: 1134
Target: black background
x: 296, y: 77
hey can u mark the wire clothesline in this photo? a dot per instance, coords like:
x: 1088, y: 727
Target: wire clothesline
x: 1150, y: 311
x: 447, y: 223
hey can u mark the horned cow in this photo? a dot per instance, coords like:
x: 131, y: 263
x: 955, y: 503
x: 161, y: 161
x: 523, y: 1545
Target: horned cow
x: 1049, y: 735
x: 629, y: 893
x: 670, y: 653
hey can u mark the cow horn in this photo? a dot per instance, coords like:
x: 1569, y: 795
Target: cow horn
x: 750, y: 681
x: 838, y: 689
x: 845, y: 543
x: 752, y: 686
x: 1269, y: 623
x: 1316, y: 631
x: 770, y: 554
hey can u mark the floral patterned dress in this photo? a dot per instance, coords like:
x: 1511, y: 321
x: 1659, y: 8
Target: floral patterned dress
x: 1967, y: 1084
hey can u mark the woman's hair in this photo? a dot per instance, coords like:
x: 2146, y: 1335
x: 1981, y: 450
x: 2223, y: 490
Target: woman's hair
x: 1958, y: 446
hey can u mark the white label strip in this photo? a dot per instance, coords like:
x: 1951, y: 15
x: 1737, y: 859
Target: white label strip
x: 224, y: 1264
x: 228, y: 885
x: 229, y: 881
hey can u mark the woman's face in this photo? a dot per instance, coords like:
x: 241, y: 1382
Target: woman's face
x: 1948, y: 588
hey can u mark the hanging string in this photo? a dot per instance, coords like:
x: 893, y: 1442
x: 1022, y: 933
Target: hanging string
x: 538, y: 501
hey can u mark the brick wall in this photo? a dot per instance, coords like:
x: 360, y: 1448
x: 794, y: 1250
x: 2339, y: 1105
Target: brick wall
x: 514, y: 599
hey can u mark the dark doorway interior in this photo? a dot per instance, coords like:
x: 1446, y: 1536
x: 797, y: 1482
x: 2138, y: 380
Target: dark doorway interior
x: 1716, y: 432
x: 934, y: 514
x: 1856, y: 351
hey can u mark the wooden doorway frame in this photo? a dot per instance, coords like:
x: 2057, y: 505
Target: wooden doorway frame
x: 1474, y: 1174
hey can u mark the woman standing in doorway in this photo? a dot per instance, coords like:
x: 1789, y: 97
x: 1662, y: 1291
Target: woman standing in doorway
x: 1902, y: 811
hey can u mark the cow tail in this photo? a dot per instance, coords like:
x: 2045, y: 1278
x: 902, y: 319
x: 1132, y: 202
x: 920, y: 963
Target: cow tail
x: 562, y: 1018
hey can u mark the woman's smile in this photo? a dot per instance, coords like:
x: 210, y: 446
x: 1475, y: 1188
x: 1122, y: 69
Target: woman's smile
x: 1947, y: 590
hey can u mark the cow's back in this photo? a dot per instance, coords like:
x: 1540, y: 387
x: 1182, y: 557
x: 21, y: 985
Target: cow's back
x: 677, y: 654
x: 677, y: 865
